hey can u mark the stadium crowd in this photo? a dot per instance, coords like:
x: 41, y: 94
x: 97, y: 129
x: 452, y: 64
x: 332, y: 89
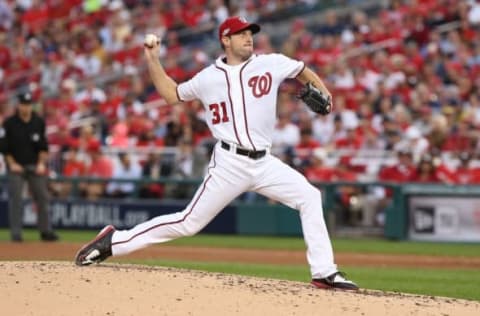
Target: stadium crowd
x: 405, y: 79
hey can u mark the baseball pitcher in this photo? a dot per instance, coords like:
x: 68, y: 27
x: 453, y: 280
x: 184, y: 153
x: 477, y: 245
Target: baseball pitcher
x: 239, y: 93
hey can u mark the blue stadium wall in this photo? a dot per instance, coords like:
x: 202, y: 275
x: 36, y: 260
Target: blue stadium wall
x: 261, y: 218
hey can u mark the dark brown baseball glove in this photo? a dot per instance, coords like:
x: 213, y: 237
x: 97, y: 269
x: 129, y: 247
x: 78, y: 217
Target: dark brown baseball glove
x: 315, y: 99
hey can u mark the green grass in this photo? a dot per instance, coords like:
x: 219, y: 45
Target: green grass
x: 407, y: 247
x: 293, y: 243
x: 340, y: 245
x: 457, y: 283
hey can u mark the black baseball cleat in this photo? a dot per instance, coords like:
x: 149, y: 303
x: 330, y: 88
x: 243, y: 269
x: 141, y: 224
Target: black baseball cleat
x: 48, y: 236
x: 17, y: 238
x: 98, y: 249
x: 335, y: 281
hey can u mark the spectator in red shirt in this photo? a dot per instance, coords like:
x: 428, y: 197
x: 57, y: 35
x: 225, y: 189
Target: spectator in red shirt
x: 36, y: 16
x: 147, y: 137
x: 426, y: 171
x: 100, y: 167
x: 73, y: 166
x: 65, y: 102
x: 175, y: 17
x: 317, y: 171
x: 352, y: 140
x: 444, y: 173
x: 307, y: 144
x: 465, y: 173
x: 59, y: 133
x: 196, y: 16
x: 343, y: 170
x: 86, y: 137
x: 462, y: 138
x: 400, y: 172
x: 344, y: 193
x: 119, y: 137
x: 328, y: 53
x: 5, y: 55
x: 173, y: 69
x: 153, y: 169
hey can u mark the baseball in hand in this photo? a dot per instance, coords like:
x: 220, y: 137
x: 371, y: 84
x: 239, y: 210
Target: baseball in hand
x: 151, y: 40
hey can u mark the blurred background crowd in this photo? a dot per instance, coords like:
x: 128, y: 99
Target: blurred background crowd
x: 404, y: 75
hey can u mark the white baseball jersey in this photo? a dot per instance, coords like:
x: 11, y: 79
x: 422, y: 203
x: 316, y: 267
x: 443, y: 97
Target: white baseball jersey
x: 241, y: 100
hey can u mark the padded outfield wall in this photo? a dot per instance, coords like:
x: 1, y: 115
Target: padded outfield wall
x: 417, y: 212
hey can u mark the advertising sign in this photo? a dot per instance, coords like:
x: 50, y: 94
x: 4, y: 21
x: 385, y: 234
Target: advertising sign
x: 444, y: 218
x: 122, y: 214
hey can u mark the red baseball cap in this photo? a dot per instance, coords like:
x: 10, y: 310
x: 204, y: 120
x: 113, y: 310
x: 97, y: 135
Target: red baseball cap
x: 94, y: 146
x: 236, y: 24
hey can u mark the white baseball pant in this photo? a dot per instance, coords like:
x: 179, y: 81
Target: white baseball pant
x: 229, y: 175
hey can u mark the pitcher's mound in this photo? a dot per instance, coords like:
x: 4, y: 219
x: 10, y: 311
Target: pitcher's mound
x: 61, y: 288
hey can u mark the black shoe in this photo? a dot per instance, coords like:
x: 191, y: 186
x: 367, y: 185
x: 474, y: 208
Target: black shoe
x: 98, y: 249
x: 335, y: 281
x: 16, y: 239
x: 49, y: 236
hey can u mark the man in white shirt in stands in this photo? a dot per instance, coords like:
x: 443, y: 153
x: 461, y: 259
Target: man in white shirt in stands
x: 124, y: 168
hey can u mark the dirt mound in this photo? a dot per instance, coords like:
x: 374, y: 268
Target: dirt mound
x: 61, y: 288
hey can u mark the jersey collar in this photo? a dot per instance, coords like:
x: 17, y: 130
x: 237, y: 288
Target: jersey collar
x: 220, y: 63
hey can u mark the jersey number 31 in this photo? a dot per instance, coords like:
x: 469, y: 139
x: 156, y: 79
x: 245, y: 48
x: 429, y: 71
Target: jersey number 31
x: 219, y: 113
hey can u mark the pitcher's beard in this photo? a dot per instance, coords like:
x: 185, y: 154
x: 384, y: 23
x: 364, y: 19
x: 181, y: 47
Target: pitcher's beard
x: 244, y: 56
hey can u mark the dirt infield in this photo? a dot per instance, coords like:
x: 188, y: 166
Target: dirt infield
x: 61, y: 288
x: 45, y: 287
x: 66, y: 251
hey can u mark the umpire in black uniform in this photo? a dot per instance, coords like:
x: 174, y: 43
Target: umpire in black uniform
x: 26, y: 152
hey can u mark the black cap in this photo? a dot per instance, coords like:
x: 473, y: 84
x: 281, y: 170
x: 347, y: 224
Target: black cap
x: 25, y: 98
